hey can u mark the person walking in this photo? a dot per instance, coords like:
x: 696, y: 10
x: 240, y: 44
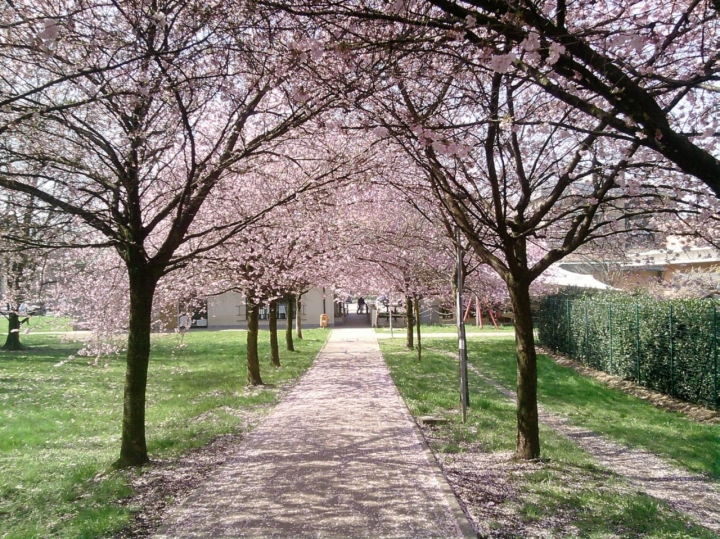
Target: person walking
x: 361, y: 305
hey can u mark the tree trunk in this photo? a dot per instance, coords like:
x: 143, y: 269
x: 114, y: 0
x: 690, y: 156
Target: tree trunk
x: 417, y: 322
x: 253, y: 361
x: 274, y: 348
x: 289, y: 344
x: 298, y: 317
x: 13, y: 338
x: 133, y: 447
x: 528, y: 438
x: 409, y: 330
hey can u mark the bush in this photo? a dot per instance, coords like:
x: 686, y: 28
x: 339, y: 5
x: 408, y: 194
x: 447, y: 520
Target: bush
x: 667, y: 345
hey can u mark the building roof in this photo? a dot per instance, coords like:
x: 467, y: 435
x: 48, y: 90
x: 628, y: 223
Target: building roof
x: 561, y: 277
x: 651, y: 260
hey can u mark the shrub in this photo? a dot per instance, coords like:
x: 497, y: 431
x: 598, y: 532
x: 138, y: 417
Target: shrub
x: 668, y: 345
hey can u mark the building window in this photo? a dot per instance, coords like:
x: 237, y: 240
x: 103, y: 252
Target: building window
x: 193, y: 314
x: 281, y: 311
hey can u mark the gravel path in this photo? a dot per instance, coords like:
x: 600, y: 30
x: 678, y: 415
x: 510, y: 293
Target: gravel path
x: 340, y: 456
x: 682, y: 490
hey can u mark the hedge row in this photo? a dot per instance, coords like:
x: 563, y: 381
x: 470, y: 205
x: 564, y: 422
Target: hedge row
x: 668, y: 345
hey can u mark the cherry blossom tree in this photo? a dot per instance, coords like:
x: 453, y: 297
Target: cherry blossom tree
x: 289, y: 250
x: 177, y: 100
x: 31, y: 270
x: 513, y: 189
x: 526, y: 178
x: 648, y: 70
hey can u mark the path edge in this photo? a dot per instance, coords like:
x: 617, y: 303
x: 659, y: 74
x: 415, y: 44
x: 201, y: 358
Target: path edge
x: 461, y: 517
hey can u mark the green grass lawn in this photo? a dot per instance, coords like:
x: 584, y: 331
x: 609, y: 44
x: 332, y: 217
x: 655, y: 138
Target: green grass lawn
x: 450, y: 329
x: 624, y: 418
x: 60, y: 425
x: 569, y: 485
x: 37, y: 324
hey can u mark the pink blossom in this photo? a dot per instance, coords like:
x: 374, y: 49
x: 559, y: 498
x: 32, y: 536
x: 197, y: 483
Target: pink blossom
x: 556, y: 49
x: 502, y: 62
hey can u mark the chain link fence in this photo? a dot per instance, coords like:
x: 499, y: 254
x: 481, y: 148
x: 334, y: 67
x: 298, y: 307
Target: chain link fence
x: 670, y: 346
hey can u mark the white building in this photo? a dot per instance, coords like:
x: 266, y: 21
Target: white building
x: 229, y: 310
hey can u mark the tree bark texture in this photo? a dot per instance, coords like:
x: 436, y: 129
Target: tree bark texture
x: 274, y: 348
x: 417, y: 323
x: 13, y: 337
x: 253, y: 361
x: 298, y: 317
x: 289, y: 344
x: 409, y: 330
x: 133, y: 447
x: 528, y: 438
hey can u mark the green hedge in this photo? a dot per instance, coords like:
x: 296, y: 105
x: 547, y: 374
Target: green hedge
x: 668, y: 345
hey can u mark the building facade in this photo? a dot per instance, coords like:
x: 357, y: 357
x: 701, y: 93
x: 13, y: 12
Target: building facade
x: 229, y: 311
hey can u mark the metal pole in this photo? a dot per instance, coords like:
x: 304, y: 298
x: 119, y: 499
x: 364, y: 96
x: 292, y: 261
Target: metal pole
x: 568, y: 349
x: 462, y: 350
x: 587, y: 334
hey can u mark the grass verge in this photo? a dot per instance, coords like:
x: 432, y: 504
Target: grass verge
x: 564, y: 495
x: 622, y: 417
x: 452, y: 329
x: 60, y: 425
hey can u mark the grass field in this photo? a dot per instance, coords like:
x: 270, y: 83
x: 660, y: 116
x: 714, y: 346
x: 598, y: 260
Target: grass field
x: 60, y: 425
x: 569, y: 487
x: 622, y: 417
x: 37, y: 324
x: 451, y: 329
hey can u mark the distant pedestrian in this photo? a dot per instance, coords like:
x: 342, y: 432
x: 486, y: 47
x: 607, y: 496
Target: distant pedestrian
x: 361, y: 305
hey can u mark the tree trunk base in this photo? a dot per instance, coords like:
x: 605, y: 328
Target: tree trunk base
x: 524, y: 458
x: 15, y: 347
x: 12, y: 342
x: 124, y: 462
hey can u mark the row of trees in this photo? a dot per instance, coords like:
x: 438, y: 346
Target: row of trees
x: 269, y: 149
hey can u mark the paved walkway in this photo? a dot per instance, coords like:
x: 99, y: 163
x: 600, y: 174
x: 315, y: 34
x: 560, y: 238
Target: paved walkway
x: 339, y: 457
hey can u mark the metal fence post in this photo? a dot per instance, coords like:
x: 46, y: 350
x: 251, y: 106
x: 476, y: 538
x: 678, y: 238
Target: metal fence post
x: 672, y: 354
x: 610, y: 327
x: 637, y: 340
x: 554, y: 325
x: 568, y: 349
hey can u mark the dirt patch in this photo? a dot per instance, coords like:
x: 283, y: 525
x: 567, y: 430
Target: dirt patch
x: 484, y: 483
x: 694, y: 411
